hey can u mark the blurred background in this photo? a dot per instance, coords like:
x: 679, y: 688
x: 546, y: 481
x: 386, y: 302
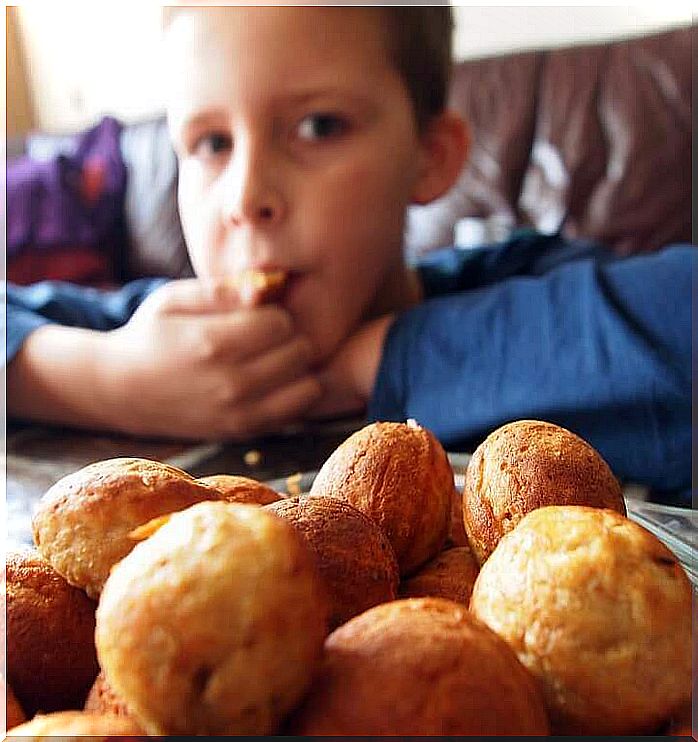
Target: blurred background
x: 63, y: 74
x: 577, y: 114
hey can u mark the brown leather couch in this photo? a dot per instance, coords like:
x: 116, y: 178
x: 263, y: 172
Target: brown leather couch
x: 594, y: 141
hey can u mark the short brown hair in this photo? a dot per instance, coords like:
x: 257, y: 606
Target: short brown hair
x: 420, y: 44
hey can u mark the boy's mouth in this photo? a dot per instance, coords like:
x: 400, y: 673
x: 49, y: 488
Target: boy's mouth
x: 294, y: 279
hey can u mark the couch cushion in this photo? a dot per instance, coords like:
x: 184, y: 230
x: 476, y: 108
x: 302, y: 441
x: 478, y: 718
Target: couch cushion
x: 65, y: 211
x: 156, y: 244
x: 611, y: 158
x: 568, y: 154
x: 592, y: 140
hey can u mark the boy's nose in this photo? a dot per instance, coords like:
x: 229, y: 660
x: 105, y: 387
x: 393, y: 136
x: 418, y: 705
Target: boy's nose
x: 251, y: 196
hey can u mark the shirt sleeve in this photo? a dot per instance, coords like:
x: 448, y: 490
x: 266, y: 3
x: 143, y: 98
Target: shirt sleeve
x: 30, y: 307
x: 526, y: 253
x: 602, y: 348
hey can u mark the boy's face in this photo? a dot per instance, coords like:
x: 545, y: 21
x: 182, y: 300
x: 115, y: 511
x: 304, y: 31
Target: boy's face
x: 298, y: 151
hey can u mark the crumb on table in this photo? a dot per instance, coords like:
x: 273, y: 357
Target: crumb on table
x: 293, y: 484
x: 253, y: 458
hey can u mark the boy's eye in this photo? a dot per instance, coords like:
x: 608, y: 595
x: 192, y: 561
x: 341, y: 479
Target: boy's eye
x: 321, y: 126
x: 212, y: 144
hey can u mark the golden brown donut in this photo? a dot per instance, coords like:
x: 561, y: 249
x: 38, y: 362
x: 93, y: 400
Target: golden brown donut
x: 423, y: 666
x: 77, y: 726
x: 14, y: 714
x: 234, y: 488
x: 103, y: 700
x: 599, y: 610
x: 353, y: 555
x: 214, y: 625
x: 82, y: 523
x: 51, y: 656
x: 397, y: 474
x: 450, y: 575
x: 526, y: 465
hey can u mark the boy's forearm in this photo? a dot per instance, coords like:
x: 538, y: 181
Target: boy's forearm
x: 60, y: 375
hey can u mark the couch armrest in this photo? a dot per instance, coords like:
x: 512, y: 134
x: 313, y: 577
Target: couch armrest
x: 155, y: 244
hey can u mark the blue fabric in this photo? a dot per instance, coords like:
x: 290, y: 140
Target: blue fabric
x: 30, y: 307
x: 568, y: 333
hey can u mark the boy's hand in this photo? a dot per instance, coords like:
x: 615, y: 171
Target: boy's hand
x: 197, y: 360
x: 349, y: 376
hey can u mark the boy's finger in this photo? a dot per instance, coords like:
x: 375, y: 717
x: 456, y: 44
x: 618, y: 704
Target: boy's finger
x: 281, y: 366
x: 238, y: 336
x: 251, y: 332
x: 285, y: 405
x: 199, y: 296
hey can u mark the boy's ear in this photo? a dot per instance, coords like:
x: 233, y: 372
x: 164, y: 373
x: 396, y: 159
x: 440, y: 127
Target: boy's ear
x: 444, y: 144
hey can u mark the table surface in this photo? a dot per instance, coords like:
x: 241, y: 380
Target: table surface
x: 38, y: 456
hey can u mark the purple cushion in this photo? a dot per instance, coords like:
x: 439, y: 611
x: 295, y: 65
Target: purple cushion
x: 70, y: 201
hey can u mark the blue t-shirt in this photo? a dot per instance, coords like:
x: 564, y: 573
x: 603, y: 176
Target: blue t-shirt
x: 537, y: 327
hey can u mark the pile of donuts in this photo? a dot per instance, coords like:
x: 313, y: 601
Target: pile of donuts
x: 384, y: 602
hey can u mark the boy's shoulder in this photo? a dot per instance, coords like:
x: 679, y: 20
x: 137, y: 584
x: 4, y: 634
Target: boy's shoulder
x: 525, y: 252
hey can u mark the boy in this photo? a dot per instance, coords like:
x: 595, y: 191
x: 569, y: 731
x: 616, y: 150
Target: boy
x: 302, y: 135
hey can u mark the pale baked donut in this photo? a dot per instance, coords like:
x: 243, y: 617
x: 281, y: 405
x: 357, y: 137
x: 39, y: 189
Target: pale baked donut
x: 599, y: 610
x: 51, y: 656
x: 450, y: 575
x: 354, y: 556
x: 234, y: 488
x: 419, y: 667
x: 213, y: 625
x: 83, y: 522
x: 76, y: 726
x: 525, y: 465
x: 399, y: 475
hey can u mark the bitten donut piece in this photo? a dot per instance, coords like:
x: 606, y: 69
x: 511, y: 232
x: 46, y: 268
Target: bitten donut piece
x: 599, y: 610
x: 260, y: 287
x: 51, y: 656
x: 74, y: 726
x: 526, y: 465
x: 419, y: 667
x: 353, y: 555
x: 83, y: 522
x: 399, y: 475
x: 234, y: 488
x: 450, y: 575
x: 215, y: 624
